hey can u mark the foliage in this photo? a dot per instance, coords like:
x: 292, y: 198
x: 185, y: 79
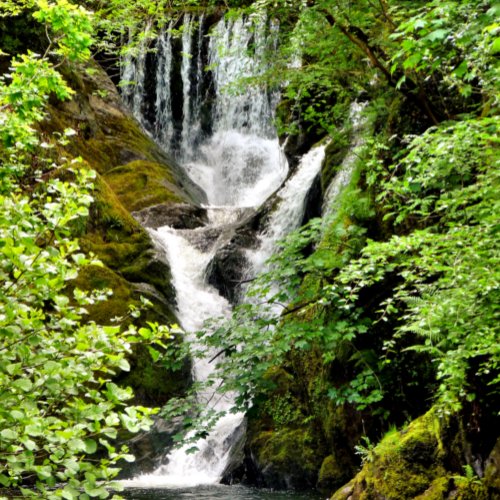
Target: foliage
x: 433, y: 287
x: 61, y: 413
x: 456, y: 41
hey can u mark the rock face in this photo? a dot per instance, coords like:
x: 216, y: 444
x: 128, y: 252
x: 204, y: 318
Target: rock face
x: 180, y: 216
x: 133, y: 175
x: 227, y: 270
x: 283, y: 460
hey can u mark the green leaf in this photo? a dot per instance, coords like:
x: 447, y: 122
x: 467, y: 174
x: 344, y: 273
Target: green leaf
x: 9, y: 434
x: 436, y: 35
x: 90, y: 446
x: 24, y: 384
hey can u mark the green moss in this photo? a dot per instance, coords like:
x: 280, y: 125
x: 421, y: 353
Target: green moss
x: 331, y: 474
x: 402, y: 465
x: 141, y: 184
x: 287, y: 452
x: 454, y: 487
x: 492, y: 471
x: 102, y: 278
x: 438, y: 490
x: 154, y: 383
x: 113, y: 234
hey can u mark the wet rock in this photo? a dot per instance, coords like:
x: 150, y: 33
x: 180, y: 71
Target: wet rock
x: 332, y: 474
x: 227, y: 271
x: 282, y: 460
x: 313, y: 201
x: 179, y: 216
x: 149, y: 447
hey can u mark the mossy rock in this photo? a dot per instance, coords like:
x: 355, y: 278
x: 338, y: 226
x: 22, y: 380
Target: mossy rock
x: 111, y: 142
x: 332, y: 474
x: 285, y: 459
x: 456, y: 488
x: 492, y: 471
x: 141, y: 184
x: 123, y: 245
x: 108, y: 136
x: 402, y: 466
x: 415, y: 464
x: 101, y: 278
x: 112, y: 233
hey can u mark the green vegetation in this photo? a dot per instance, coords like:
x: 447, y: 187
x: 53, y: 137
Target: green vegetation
x: 61, y: 411
x: 387, y: 309
x: 391, y: 305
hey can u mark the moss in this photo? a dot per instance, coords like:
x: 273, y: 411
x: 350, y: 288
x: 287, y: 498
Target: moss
x: 286, y: 458
x: 148, y: 269
x: 154, y: 383
x: 438, y: 489
x: 112, y: 233
x: 402, y: 465
x: 458, y: 488
x: 141, y: 184
x: 492, y: 471
x: 102, y: 278
x: 332, y: 474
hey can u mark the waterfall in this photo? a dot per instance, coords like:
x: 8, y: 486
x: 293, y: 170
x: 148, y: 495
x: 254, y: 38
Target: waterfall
x: 221, y: 134
x: 343, y: 176
x: 225, y: 140
x: 164, y: 128
x: 187, y: 44
x: 241, y: 162
x: 196, y: 302
x: 237, y: 160
x: 289, y: 213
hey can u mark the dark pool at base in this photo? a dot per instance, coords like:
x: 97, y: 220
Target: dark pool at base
x: 217, y: 492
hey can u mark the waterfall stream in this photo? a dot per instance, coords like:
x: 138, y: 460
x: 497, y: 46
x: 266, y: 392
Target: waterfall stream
x: 238, y: 162
x: 235, y: 157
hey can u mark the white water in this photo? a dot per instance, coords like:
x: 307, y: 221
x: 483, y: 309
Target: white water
x: 164, y: 128
x: 240, y: 164
x: 344, y: 174
x: 197, y: 302
x: 289, y: 213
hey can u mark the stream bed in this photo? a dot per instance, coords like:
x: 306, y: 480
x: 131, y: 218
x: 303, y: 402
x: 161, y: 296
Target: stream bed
x: 217, y: 492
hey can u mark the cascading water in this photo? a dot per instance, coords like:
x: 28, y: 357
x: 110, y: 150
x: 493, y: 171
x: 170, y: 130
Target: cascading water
x: 343, y: 176
x: 238, y: 163
x: 290, y: 210
x: 197, y: 302
x: 236, y: 158
x: 163, y: 104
